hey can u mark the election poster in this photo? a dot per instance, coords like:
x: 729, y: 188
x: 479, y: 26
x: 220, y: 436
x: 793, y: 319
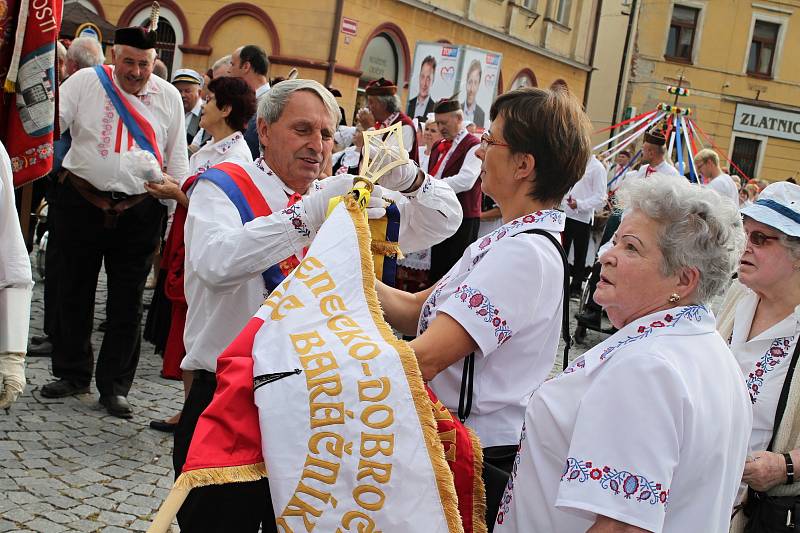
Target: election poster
x: 477, y: 84
x: 433, y: 77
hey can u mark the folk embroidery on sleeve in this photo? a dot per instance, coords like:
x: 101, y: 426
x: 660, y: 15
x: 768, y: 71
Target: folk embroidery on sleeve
x: 296, y: 219
x: 767, y: 363
x: 430, y: 304
x: 631, y: 486
x: 483, y: 307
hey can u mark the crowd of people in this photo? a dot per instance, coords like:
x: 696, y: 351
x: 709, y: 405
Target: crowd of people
x: 681, y: 420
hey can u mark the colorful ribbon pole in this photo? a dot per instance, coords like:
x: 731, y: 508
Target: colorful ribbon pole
x: 626, y: 130
x: 693, y: 177
x: 611, y: 152
x: 679, y: 147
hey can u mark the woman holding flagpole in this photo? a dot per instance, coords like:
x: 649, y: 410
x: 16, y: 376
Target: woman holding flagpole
x: 490, y: 326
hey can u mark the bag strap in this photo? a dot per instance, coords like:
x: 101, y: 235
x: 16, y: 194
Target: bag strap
x: 468, y: 373
x: 787, y: 383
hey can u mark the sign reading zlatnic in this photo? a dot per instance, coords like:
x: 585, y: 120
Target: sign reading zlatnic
x: 766, y: 121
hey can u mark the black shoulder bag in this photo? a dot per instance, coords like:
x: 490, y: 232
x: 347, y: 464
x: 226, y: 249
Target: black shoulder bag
x: 498, y: 460
x: 465, y: 397
x: 774, y: 514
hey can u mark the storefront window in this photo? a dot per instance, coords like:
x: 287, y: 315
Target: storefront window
x: 380, y: 60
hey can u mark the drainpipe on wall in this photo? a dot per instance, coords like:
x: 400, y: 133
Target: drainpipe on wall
x: 337, y: 23
x: 597, y: 11
x: 633, y: 19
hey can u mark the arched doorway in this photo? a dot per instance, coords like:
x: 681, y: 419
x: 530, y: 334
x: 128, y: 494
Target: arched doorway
x: 524, y: 78
x: 383, y: 57
x: 165, y: 43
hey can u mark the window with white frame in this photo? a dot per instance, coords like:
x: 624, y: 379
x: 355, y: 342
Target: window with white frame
x: 682, y: 33
x: 763, y: 45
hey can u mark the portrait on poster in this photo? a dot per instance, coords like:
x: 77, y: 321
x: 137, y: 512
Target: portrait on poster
x: 478, y: 79
x: 433, y: 77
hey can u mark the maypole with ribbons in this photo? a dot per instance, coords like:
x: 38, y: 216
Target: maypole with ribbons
x: 684, y: 137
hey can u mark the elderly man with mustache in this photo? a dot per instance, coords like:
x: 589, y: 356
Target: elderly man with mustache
x: 106, y: 216
x: 233, y: 261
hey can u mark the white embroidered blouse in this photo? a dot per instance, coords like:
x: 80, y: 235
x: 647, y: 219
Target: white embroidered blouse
x: 507, y: 292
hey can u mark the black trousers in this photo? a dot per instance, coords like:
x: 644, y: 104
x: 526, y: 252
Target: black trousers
x: 52, y: 266
x: 127, y: 252
x: 577, y: 234
x: 445, y: 254
x: 239, y: 507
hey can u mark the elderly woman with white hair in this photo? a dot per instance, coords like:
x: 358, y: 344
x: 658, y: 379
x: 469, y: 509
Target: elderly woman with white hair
x: 656, y: 414
x: 760, y: 318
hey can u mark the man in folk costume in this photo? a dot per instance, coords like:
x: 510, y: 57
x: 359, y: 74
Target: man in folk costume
x: 654, y: 150
x: 453, y: 160
x: 385, y: 107
x: 105, y: 216
x: 247, y: 228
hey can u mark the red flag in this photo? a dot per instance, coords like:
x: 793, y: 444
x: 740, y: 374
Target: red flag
x: 28, y: 75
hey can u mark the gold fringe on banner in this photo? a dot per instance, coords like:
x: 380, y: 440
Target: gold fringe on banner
x: 220, y: 475
x: 478, y: 489
x: 444, y: 477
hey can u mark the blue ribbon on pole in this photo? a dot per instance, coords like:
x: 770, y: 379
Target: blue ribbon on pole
x: 679, y: 146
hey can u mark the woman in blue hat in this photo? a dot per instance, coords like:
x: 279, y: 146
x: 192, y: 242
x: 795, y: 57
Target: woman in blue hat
x: 760, y: 318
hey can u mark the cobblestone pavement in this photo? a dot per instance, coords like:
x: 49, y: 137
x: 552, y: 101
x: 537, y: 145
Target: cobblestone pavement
x: 66, y: 465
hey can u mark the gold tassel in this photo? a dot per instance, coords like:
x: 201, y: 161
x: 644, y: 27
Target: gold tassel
x: 444, y: 476
x: 386, y: 248
x: 217, y: 476
x: 9, y: 86
x: 478, y: 489
x: 155, y: 14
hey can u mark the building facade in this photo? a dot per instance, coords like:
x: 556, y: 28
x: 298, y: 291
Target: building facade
x: 346, y: 43
x: 738, y: 60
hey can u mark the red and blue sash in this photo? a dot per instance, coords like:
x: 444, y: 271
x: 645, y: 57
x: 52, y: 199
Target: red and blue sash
x: 138, y: 126
x: 237, y: 185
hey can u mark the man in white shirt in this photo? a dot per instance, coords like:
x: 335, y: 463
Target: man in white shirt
x: 706, y: 161
x: 225, y: 259
x: 579, y: 205
x: 453, y: 160
x: 251, y: 64
x: 189, y: 83
x: 654, y: 150
x: 421, y: 105
x: 106, y: 217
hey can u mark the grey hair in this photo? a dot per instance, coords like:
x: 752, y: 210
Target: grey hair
x: 61, y: 51
x: 391, y: 101
x: 118, y: 50
x: 86, y: 52
x: 272, y: 104
x: 699, y: 228
x: 221, y: 62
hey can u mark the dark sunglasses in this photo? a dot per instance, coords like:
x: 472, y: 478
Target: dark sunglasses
x: 757, y: 238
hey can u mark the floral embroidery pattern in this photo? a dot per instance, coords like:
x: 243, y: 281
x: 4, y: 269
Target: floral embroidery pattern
x: 508, y: 494
x: 768, y: 362
x: 690, y: 312
x: 31, y: 156
x: 533, y: 218
x: 430, y: 305
x: 484, y: 308
x: 576, y: 365
x: 105, y: 136
x: 632, y: 486
x: 296, y: 219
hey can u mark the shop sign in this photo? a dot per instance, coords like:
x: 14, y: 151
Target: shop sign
x: 767, y: 121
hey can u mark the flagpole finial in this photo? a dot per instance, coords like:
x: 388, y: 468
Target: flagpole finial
x: 155, y: 13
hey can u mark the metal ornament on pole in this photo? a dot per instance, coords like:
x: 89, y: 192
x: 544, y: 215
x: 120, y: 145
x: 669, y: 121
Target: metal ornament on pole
x: 383, y: 151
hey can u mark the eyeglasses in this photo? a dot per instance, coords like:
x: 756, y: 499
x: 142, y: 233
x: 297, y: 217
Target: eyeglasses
x: 757, y: 238
x: 487, y: 140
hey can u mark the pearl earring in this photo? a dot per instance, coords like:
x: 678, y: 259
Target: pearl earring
x: 674, y: 298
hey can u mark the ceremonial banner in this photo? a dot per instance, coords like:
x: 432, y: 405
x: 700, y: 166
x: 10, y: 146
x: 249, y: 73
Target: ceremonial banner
x: 27, y: 73
x: 349, y: 439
